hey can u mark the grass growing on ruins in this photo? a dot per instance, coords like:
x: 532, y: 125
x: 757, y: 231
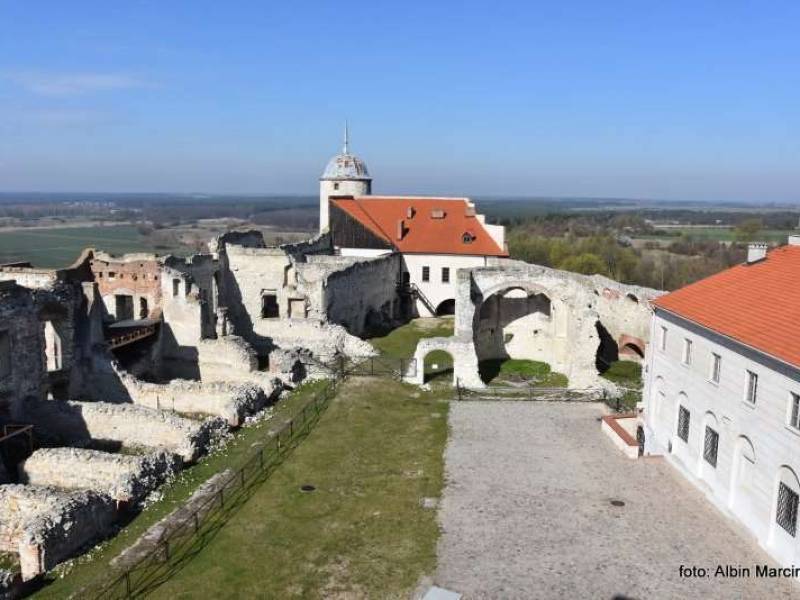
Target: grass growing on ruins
x: 93, y: 565
x: 375, y: 454
x: 516, y: 369
x: 402, y: 342
x: 627, y: 374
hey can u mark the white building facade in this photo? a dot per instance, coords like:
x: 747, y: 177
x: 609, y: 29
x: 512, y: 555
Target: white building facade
x: 722, y: 395
x: 435, y: 236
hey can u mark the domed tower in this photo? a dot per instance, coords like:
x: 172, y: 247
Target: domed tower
x: 345, y: 175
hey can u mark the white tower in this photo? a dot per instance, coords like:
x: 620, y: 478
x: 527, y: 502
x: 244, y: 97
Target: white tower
x: 345, y: 175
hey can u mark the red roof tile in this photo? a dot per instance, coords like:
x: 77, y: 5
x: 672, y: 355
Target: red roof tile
x: 756, y: 304
x: 423, y: 233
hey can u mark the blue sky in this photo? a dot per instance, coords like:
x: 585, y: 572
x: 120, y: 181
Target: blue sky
x: 680, y: 100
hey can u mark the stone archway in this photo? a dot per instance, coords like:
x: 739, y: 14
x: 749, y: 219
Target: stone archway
x: 437, y: 365
x: 446, y: 307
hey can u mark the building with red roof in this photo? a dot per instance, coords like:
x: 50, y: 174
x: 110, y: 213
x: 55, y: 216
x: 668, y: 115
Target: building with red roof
x: 434, y: 235
x: 722, y: 391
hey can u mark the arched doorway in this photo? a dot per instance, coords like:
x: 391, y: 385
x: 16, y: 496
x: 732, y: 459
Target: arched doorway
x: 515, y: 322
x: 446, y: 307
x: 607, y: 350
x: 437, y: 366
x: 742, y: 497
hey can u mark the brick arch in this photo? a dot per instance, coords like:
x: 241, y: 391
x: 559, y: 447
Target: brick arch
x: 631, y: 346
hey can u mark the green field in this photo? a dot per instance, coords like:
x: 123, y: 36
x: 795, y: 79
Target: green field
x: 55, y: 248
x: 719, y: 234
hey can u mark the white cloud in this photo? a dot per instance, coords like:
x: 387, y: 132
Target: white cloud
x: 68, y: 84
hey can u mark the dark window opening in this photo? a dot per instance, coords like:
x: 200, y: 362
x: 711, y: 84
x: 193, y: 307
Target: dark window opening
x: 426, y: 273
x: 176, y: 287
x: 269, y: 306
x: 5, y: 354
x: 710, y: 447
x: 445, y: 274
x: 336, y: 186
x: 468, y: 237
x: 683, y: 424
x: 123, y: 306
x: 786, y: 515
x: 143, y: 308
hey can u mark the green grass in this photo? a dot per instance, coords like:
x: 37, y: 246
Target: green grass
x: 84, y: 570
x: 376, y: 452
x: 402, y: 342
x: 514, y: 369
x: 627, y: 374
x: 59, y: 247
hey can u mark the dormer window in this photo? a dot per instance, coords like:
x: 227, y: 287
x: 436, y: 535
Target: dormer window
x: 468, y: 237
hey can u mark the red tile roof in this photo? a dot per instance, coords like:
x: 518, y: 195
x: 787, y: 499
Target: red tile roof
x: 756, y: 304
x: 423, y: 234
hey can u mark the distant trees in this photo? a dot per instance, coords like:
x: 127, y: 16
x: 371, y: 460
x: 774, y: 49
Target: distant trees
x: 747, y: 229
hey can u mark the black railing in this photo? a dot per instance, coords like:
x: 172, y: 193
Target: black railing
x: 191, y: 533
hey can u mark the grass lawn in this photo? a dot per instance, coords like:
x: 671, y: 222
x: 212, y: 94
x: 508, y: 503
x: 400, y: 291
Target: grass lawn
x: 627, y: 374
x: 515, y: 369
x: 87, y: 568
x: 402, y: 342
x: 376, y: 452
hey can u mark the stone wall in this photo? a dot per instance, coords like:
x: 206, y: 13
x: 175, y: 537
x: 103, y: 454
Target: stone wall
x: 135, y: 275
x: 123, y: 477
x: 518, y: 310
x: 363, y: 297
x: 23, y: 371
x: 46, y: 526
x: 230, y: 401
x: 84, y: 423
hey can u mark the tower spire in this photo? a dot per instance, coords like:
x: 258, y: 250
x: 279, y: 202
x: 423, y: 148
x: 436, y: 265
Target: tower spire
x: 346, y: 138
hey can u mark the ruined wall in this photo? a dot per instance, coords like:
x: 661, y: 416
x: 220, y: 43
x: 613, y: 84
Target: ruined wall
x: 134, y: 275
x: 502, y: 311
x: 363, y: 297
x: 82, y: 423
x: 46, y: 526
x: 123, y: 477
x: 23, y: 372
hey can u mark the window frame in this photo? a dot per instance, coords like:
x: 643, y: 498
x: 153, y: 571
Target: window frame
x: 686, y: 357
x: 787, y: 499
x: 794, y: 411
x: 426, y: 273
x: 445, y: 274
x: 663, y: 341
x: 684, y: 424
x: 711, y: 446
x: 750, y: 391
x: 716, y: 368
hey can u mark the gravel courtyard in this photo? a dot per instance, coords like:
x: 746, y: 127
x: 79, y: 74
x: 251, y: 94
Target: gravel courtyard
x: 527, y: 513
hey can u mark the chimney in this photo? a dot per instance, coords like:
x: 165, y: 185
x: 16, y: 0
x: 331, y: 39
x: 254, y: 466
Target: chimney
x: 794, y: 240
x: 401, y: 229
x: 756, y: 252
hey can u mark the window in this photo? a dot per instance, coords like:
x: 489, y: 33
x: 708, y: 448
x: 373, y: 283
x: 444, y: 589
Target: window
x: 269, y: 306
x: 786, y: 515
x: 663, y: 338
x: 710, y: 447
x: 5, y: 354
x: 112, y: 275
x: 716, y: 366
x: 426, y: 273
x: 176, y: 286
x: 468, y: 237
x: 752, y: 387
x: 336, y: 186
x: 687, y: 351
x: 445, y: 274
x: 683, y: 423
x: 794, y: 416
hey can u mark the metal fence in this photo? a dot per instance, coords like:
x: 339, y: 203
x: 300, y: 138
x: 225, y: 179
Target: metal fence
x: 397, y: 368
x: 529, y: 392
x: 182, y: 541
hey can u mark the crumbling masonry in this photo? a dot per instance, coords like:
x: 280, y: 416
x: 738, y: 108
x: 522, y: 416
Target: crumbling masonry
x: 160, y: 356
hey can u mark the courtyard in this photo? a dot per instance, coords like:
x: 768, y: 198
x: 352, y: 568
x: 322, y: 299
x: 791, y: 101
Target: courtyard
x: 539, y: 504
